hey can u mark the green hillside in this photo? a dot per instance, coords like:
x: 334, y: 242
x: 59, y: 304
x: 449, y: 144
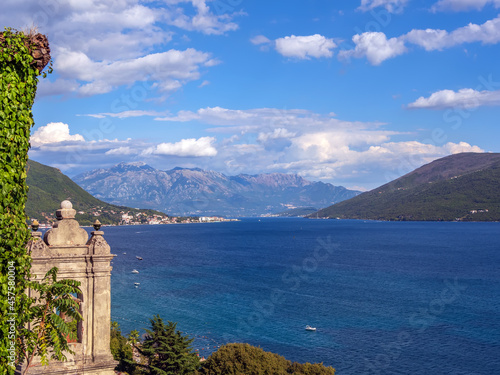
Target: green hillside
x: 48, y: 187
x: 459, y: 187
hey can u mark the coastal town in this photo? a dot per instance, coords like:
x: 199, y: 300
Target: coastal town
x: 108, y: 216
x: 138, y: 219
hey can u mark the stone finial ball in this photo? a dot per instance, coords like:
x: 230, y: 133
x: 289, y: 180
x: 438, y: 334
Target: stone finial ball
x: 66, y: 204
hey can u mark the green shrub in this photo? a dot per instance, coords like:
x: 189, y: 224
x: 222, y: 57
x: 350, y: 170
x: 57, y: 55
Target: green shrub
x: 243, y: 359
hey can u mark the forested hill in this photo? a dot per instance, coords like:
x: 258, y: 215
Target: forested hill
x: 48, y: 187
x: 458, y: 187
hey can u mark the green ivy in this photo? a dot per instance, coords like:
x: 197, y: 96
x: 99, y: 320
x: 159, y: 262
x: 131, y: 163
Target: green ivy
x: 18, y: 82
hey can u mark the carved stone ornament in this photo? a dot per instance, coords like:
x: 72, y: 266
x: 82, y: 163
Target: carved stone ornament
x: 36, y: 247
x: 97, y: 244
x: 66, y: 231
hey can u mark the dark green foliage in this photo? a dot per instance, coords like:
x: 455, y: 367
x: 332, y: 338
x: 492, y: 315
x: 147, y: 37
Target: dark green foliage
x: 18, y: 81
x: 133, y: 337
x: 48, y: 187
x: 167, y: 350
x: 121, y: 349
x: 243, y: 359
x: 48, y: 334
x: 447, y: 189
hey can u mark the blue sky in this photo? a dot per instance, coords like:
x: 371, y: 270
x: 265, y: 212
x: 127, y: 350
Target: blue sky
x: 355, y: 93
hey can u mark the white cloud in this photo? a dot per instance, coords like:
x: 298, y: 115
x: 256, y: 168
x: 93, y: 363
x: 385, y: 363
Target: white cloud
x: 260, y: 39
x: 457, y: 148
x: 166, y: 71
x: 203, y: 84
x: 125, y: 114
x: 313, y: 145
x: 418, y: 149
x: 124, y: 150
x: 375, y: 46
x: 99, y: 45
x: 432, y: 39
x: 464, y: 98
x: 264, y: 120
x: 276, y: 134
x: 186, y: 147
x: 54, y: 132
x: 316, y: 146
x: 375, y: 165
x: 305, y: 47
x: 393, y: 6
x: 204, y: 20
x: 463, y: 5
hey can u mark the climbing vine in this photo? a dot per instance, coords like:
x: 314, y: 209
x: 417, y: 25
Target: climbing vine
x: 22, y: 58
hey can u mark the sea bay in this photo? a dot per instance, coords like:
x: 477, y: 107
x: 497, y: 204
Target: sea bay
x: 386, y: 297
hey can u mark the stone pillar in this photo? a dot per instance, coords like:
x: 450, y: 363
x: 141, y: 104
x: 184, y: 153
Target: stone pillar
x: 67, y: 246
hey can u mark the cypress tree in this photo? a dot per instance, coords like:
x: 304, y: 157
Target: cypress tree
x: 168, y: 351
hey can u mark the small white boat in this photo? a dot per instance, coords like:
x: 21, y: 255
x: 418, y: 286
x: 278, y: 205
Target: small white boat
x: 135, y: 271
x: 309, y: 328
x: 138, y: 258
x: 137, y: 283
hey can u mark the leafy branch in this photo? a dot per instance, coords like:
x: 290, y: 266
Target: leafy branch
x: 48, y: 334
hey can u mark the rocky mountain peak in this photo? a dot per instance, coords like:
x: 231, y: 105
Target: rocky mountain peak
x: 194, y: 191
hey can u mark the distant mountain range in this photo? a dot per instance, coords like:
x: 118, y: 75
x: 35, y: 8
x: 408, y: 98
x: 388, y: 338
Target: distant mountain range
x: 48, y: 187
x: 458, y: 187
x: 183, y: 191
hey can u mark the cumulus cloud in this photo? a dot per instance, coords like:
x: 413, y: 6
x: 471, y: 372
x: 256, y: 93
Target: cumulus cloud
x: 313, y: 145
x: 464, y: 98
x: 98, y: 46
x: 375, y: 47
x: 166, y: 70
x: 54, y: 132
x: 316, y: 146
x: 434, y: 39
x: 393, y: 6
x: 101, y: 30
x: 191, y: 147
x: 376, y: 164
x: 457, y: 148
x: 463, y: 5
x: 305, y: 47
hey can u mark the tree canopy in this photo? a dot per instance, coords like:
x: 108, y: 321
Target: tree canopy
x: 243, y: 359
x: 168, y: 351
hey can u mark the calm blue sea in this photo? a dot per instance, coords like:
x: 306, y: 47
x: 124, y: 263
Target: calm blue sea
x: 385, y: 297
